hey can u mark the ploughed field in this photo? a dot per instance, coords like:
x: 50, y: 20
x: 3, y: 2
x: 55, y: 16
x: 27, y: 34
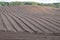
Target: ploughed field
x: 29, y: 22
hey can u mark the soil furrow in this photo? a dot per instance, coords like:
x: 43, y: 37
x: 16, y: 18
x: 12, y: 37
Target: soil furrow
x: 21, y: 23
x: 15, y: 24
x: 28, y: 24
x: 46, y: 25
x: 53, y: 24
x: 40, y: 25
x: 33, y: 23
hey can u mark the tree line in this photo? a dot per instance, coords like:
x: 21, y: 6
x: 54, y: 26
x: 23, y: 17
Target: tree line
x: 29, y: 3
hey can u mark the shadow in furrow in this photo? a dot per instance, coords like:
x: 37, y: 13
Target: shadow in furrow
x: 52, y: 23
x: 34, y: 24
x: 19, y: 24
x: 31, y: 22
x: 9, y: 20
x: 49, y: 24
x: 40, y: 24
x: 2, y: 19
x: 26, y: 24
x: 3, y: 23
x: 20, y: 20
x: 11, y: 24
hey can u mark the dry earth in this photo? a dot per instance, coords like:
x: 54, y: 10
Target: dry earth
x: 29, y: 23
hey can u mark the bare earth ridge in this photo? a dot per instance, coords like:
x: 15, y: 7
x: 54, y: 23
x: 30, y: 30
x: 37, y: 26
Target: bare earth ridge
x: 29, y: 23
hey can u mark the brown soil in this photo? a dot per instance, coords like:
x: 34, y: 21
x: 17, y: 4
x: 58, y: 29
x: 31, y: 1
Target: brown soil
x: 29, y: 23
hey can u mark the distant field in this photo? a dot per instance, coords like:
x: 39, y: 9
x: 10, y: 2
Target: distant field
x: 29, y: 19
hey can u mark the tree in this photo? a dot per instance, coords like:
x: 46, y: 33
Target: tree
x: 4, y: 3
x: 34, y: 3
x: 27, y: 3
x: 56, y: 4
x: 15, y: 3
